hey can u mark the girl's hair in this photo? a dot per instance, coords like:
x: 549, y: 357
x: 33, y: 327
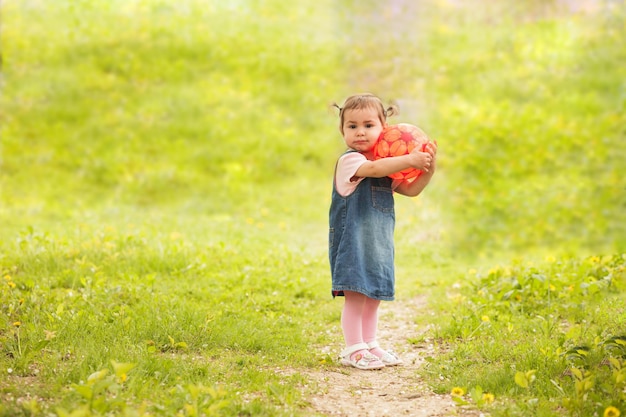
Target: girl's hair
x: 366, y: 101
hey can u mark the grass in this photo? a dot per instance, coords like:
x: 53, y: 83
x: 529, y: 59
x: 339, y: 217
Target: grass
x: 550, y: 335
x: 181, y: 311
x: 165, y: 180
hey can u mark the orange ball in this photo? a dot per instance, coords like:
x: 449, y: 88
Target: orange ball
x: 398, y: 140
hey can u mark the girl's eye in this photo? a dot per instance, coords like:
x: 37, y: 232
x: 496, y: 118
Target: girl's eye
x: 351, y: 126
x: 369, y: 125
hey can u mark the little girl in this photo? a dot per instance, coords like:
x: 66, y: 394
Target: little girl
x: 362, y: 221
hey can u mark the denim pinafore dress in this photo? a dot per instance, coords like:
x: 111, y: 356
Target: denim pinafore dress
x: 360, y: 240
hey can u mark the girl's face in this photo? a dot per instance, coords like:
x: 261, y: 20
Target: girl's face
x: 361, y: 129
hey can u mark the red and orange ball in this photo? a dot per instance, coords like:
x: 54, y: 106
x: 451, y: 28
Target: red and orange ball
x: 398, y: 140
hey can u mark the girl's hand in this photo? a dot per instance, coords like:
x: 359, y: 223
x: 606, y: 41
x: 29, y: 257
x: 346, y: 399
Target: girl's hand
x: 431, y: 148
x: 421, y: 160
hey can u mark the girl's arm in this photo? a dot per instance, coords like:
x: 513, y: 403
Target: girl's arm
x: 387, y: 166
x: 413, y: 189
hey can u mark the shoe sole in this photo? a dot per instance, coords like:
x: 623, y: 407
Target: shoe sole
x: 348, y: 363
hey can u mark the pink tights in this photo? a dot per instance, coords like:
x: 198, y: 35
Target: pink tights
x: 359, y: 320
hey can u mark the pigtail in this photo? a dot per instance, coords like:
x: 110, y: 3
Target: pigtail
x: 336, y: 106
x: 392, y: 110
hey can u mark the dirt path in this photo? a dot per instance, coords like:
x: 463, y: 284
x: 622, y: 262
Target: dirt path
x: 393, y: 391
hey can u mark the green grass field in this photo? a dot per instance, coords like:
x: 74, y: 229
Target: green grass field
x: 165, y: 175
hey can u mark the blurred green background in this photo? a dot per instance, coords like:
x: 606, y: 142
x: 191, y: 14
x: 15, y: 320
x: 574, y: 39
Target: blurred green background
x: 165, y: 177
x: 215, y: 115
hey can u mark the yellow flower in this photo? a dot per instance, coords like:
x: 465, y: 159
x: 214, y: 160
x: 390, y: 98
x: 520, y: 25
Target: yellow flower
x: 485, y: 319
x: 17, y: 323
x: 611, y: 412
x: 488, y: 398
x: 458, y: 391
x: 11, y: 284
